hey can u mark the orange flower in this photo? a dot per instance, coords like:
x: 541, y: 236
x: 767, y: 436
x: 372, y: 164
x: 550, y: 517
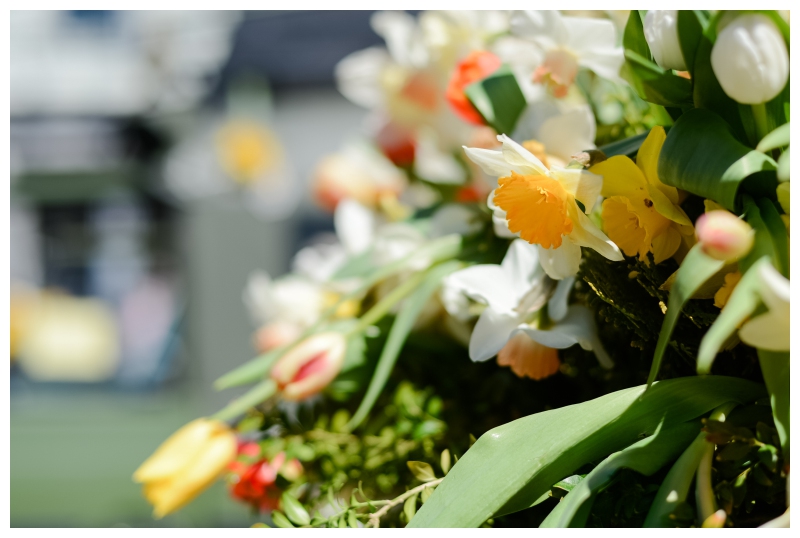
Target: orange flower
x: 477, y: 65
x: 528, y: 358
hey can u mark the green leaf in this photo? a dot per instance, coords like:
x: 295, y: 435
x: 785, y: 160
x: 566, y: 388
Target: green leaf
x: 777, y: 234
x: 628, y: 147
x: 281, y: 521
x: 695, y: 270
x: 701, y: 155
x: 776, y: 139
x: 351, y: 519
x: 646, y: 457
x: 250, y: 371
x: 652, y: 82
x: 444, y: 461
x: 691, y: 25
x: 294, y: 510
x: 498, y: 99
x: 410, y: 507
x: 425, y: 495
x: 783, y: 166
x: 511, y: 466
x: 775, y: 368
x: 569, y: 483
x: 401, y: 327
x: 741, y: 304
x: 251, y: 398
x: 422, y: 471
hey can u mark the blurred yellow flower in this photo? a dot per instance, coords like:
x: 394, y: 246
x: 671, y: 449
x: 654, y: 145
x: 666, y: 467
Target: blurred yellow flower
x: 186, y: 464
x: 640, y: 213
x: 724, y: 293
x: 247, y: 150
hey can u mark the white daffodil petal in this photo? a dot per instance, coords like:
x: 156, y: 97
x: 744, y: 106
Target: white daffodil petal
x: 545, y: 27
x: 454, y: 219
x: 355, y: 226
x: 561, y: 262
x: 435, y: 165
x: 358, y: 76
x: 397, y: 30
x: 586, y: 234
x: 491, y: 161
x: 557, y: 306
x: 488, y: 284
x: 564, y: 135
x: 774, y: 290
x: 490, y: 334
x: 582, y: 184
x: 519, y: 265
x: 520, y: 158
x: 767, y: 331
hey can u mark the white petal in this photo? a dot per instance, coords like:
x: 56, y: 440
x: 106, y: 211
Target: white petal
x: 258, y: 297
x: 774, y: 290
x: 594, y: 42
x: 355, y: 225
x: 566, y: 134
x: 358, y: 76
x: 520, y: 158
x: 454, y: 219
x: 499, y: 220
x: 491, y: 161
x: 545, y: 27
x: 435, y: 165
x: 561, y: 262
x: 767, y: 331
x: 582, y: 184
x: 586, y: 234
x: 490, y: 334
x: 487, y: 284
x: 530, y: 123
x: 519, y: 265
x: 557, y: 306
x: 397, y: 30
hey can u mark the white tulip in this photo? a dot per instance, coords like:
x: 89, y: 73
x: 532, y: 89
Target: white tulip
x: 661, y: 34
x: 750, y: 59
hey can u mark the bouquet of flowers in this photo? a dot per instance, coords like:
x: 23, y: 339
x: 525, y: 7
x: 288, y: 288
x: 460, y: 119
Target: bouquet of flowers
x: 635, y: 295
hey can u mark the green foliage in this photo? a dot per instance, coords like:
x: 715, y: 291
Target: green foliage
x: 498, y: 99
x: 511, y: 466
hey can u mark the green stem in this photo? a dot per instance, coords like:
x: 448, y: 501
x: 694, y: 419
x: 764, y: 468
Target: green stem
x: 249, y: 399
x: 760, y: 115
x: 382, y: 307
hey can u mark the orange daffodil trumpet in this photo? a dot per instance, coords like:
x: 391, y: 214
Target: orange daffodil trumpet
x: 187, y: 463
x: 310, y: 366
x: 640, y: 213
x: 541, y: 205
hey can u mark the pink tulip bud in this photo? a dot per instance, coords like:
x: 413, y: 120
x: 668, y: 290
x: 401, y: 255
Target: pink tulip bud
x: 724, y: 236
x: 310, y: 366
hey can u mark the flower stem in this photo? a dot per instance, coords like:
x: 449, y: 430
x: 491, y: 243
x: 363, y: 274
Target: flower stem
x: 249, y: 399
x: 375, y: 519
x: 760, y: 115
x: 382, y: 307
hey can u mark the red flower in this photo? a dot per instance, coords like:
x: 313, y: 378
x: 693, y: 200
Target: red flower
x: 255, y: 483
x: 477, y: 65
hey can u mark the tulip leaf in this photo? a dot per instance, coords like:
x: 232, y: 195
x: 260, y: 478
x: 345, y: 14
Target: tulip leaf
x: 511, y: 466
x: 741, y: 304
x: 628, y: 146
x: 251, y: 371
x: 646, y: 457
x: 653, y: 83
x: 403, y: 323
x: 701, y: 155
x: 778, y: 138
x: 778, y: 235
x: 695, y: 270
x: 498, y: 99
x: 775, y: 368
x: 691, y: 24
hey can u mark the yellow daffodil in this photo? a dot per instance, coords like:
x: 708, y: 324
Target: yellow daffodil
x: 186, y: 464
x: 641, y: 214
x: 724, y: 293
x: 247, y: 150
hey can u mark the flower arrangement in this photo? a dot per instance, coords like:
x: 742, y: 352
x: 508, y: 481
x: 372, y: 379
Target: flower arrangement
x: 635, y: 294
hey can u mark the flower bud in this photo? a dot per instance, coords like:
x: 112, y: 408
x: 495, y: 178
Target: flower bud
x: 724, y: 236
x: 310, y: 366
x: 661, y: 34
x: 185, y: 464
x: 750, y: 59
x: 477, y: 65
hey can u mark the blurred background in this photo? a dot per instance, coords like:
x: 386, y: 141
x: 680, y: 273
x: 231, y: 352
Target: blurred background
x: 157, y: 159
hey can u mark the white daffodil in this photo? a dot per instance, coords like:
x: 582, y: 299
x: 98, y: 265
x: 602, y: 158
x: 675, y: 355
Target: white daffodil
x: 770, y: 330
x: 291, y: 298
x: 541, y: 206
x: 515, y: 293
x: 548, y: 48
x: 555, y: 133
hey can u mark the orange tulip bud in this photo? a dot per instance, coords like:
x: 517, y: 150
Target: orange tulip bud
x: 724, y: 236
x: 310, y: 366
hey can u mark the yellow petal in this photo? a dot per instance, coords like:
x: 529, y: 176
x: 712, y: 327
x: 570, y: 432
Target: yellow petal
x: 173, y: 453
x: 666, y: 207
x: 666, y: 244
x: 647, y: 161
x: 621, y: 177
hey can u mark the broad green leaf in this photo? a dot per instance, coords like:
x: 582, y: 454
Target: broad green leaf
x: 690, y: 31
x: 251, y: 398
x: 401, y: 327
x: 498, y: 99
x: 422, y: 471
x: 775, y: 368
x: 741, y: 304
x: 652, y: 82
x: 676, y: 484
x: 776, y: 139
x: 777, y: 233
x: 281, y: 521
x: 511, y: 466
x: 701, y: 155
x: 695, y: 270
x: 628, y: 147
x: 646, y: 457
x: 410, y: 507
x: 295, y: 511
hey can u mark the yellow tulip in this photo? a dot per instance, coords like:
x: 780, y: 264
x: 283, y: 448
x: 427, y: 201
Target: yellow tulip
x: 186, y: 464
x: 641, y: 214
